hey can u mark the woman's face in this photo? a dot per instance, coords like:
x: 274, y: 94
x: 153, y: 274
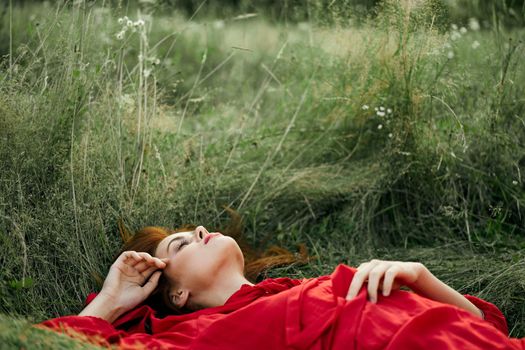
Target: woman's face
x: 197, y: 259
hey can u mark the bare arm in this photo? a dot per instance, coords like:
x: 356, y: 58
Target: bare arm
x: 131, y: 278
x: 104, y: 308
x: 433, y: 288
x: 414, y: 275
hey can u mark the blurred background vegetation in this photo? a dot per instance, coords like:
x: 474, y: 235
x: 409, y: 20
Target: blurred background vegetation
x: 362, y: 129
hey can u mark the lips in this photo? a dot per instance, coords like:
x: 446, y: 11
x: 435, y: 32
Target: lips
x: 208, y: 237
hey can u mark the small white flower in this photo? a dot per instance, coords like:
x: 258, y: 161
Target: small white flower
x: 381, y: 108
x: 454, y: 27
x: 365, y: 107
x: 376, y: 109
x: 455, y: 36
x: 473, y: 24
x: 120, y: 35
x: 475, y: 44
x: 156, y: 61
x: 157, y: 153
x: 389, y: 110
x: 380, y: 126
x: 380, y: 113
x: 450, y: 55
x: 147, y: 72
x: 120, y: 20
x: 514, y: 182
x: 139, y: 23
x: 129, y: 23
x: 462, y: 30
x: 390, y: 135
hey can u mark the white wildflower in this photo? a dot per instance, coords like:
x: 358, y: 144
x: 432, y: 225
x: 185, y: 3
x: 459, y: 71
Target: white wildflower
x: 463, y: 30
x: 390, y: 135
x: 139, y: 23
x: 380, y: 113
x: 475, y: 44
x: 455, y: 36
x: 120, y: 20
x: 380, y: 126
x: 454, y: 27
x: 147, y: 72
x: 514, y: 182
x: 376, y: 109
x: 120, y: 35
x: 389, y: 110
x: 381, y: 108
x: 450, y: 55
x: 365, y: 107
x: 473, y: 24
x: 157, y: 153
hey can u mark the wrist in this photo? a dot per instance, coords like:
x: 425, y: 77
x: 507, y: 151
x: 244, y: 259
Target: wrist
x: 423, y: 275
x: 103, y: 306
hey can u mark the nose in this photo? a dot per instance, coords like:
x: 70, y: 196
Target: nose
x: 201, y: 232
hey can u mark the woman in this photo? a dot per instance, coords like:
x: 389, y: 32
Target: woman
x: 200, y: 276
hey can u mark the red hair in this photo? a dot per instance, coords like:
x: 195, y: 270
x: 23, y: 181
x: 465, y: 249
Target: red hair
x: 255, y: 262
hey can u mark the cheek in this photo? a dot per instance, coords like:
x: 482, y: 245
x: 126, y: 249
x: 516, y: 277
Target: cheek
x: 201, y: 264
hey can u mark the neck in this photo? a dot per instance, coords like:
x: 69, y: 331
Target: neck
x: 223, y: 289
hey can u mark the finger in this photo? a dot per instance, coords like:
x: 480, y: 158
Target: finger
x: 149, y: 271
x: 152, y: 283
x: 129, y: 257
x: 374, y: 277
x: 359, y: 278
x: 388, y: 282
x: 143, y: 266
x: 152, y: 260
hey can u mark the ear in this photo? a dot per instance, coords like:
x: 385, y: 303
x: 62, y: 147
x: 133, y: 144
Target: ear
x: 179, y: 296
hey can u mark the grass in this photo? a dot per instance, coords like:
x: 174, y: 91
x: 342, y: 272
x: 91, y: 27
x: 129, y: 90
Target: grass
x: 269, y: 119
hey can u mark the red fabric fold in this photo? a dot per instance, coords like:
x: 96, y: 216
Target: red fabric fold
x: 284, y: 313
x: 492, y: 314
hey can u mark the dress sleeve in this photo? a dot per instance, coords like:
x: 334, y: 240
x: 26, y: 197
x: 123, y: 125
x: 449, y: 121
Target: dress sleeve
x: 491, y: 313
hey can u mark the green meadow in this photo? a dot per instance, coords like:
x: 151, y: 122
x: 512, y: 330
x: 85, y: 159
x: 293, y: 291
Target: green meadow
x: 394, y: 131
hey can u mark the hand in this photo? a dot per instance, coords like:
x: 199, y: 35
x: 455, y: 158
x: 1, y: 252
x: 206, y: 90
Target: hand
x: 394, y: 274
x: 131, y: 279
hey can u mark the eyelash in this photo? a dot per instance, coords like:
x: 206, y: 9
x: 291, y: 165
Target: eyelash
x: 182, y: 244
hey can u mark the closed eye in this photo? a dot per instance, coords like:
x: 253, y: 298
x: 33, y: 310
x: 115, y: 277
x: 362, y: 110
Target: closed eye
x: 185, y: 242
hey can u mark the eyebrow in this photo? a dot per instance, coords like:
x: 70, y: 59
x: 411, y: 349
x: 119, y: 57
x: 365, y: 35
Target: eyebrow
x: 173, y: 240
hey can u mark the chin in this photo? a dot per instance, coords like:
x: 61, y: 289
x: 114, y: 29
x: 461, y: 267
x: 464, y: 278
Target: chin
x: 230, y: 250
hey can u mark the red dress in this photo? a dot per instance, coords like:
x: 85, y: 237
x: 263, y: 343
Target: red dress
x: 284, y: 313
